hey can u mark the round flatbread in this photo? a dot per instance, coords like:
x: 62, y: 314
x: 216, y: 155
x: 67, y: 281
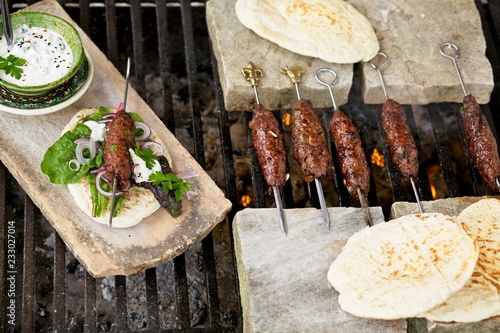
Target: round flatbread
x: 139, y: 202
x: 332, y: 30
x: 404, y: 267
x: 482, y: 219
x: 477, y: 300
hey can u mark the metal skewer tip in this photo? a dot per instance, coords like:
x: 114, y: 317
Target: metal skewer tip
x: 328, y: 84
x: 378, y: 66
x: 322, y: 203
x: 417, y: 197
x: 281, y: 212
x: 113, y: 202
x: 294, y: 73
x: 127, y: 79
x: 253, y: 75
x: 364, y: 207
x: 452, y: 52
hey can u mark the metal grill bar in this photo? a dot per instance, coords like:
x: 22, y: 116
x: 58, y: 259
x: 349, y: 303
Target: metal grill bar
x: 59, y: 284
x: 28, y: 314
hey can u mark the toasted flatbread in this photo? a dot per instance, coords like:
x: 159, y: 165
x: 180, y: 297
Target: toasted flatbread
x: 139, y: 202
x: 404, y: 267
x: 483, y: 220
x: 332, y: 30
x: 477, y: 300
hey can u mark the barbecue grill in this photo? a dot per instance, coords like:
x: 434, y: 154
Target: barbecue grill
x: 168, y: 39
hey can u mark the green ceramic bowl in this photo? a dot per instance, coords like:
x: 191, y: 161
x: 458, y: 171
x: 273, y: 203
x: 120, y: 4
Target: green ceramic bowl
x: 54, y: 23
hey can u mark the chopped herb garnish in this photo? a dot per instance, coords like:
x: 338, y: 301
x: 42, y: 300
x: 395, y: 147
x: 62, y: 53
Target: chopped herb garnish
x: 147, y: 155
x: 169, y: 182
x: 12, y: 65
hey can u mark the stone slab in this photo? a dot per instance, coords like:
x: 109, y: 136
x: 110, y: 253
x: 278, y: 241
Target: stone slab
x: 410, y: 32
x: 452, y: 207
x: 283, y: 280
x: 234, y: 46
x: 103, y: 250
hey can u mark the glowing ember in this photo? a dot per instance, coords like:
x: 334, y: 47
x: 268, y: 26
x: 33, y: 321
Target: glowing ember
x: 245, y: 200
x: 377, y: 158
x: 287, y: 118
x: 433, y: 191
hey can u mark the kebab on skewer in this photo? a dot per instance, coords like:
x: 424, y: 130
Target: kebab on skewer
x: 481, y: 142
x: 398, y: 135
x: 268, y: 143
x: 352, y: 158
x: 309, y: 144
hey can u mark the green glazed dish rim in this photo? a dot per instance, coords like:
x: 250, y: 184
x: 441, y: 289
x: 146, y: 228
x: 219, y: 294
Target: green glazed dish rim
x: 54, y: 23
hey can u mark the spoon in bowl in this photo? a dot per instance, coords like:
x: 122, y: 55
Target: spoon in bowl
x: 7, y: 25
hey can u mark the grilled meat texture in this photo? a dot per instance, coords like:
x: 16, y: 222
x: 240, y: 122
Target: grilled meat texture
x: 483, y: 148
x: 399, y: 139
x: 351, y: 155
x: 269, y: 146
x: 166, y: 200
x: 117, y: 160
x: 310, y: 148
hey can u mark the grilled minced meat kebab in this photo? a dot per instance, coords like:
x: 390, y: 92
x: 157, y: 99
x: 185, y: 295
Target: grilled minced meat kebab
x: 310, y: 148
x: 269, y: 146
x: 351, y: 155
x: 399, y: 139
x: 482, y: 145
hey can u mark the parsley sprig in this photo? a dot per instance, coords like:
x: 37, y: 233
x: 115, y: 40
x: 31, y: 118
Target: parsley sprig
x: 147, y: 155
x: 12, y: 65
x: 169, y: 182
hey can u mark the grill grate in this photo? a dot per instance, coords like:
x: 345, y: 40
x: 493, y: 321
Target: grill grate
x: 169, y: 38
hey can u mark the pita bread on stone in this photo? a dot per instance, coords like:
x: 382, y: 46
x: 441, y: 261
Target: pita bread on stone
x: 483, y: 220
x: 404, y: 267
x: 332, y: 30
x: 476, y: 301
x: 139, y: 202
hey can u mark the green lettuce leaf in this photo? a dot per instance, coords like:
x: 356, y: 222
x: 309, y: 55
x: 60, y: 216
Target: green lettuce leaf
x: 55, y: 163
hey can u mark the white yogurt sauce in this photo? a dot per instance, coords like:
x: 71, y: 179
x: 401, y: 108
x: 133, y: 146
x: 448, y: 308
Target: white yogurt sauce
x: 141, y: 172
x: 48, y: 56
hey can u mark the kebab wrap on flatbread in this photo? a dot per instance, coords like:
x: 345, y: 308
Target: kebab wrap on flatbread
x: 86, y: 179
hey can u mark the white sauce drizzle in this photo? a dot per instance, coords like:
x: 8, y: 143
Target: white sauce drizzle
x: 141, y: 172
x: 48, y: 56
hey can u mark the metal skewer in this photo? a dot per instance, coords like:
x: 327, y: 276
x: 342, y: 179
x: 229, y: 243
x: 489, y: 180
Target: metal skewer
x: 253, y: 75
x: 362, y: 199
x: 378, y: 69
x: 451, y: 51
x: 115, y: 181
x: 294, y: 74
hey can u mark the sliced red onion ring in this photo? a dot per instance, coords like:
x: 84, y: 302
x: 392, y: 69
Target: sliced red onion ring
x: 83, y: 144
x: 120, y: 107
x: 154, y: 146
x: 98, y: 178
x: 187, y: 174
x: 146, y: 130
x: 74, y: 165
x: 190, y: 194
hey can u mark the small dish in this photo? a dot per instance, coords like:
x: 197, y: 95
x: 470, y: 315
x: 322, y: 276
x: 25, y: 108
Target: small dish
x: 55, y: 100
x: 48, y: 23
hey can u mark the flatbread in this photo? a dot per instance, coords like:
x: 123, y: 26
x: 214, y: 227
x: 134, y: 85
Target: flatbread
x: 402, y: 268
x: 476, y: 301
x: 483, y: 220
x: 139, y: 202
x: 332, y: 30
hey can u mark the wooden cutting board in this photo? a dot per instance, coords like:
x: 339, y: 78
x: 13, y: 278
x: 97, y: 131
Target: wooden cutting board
x: 101, y: 249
